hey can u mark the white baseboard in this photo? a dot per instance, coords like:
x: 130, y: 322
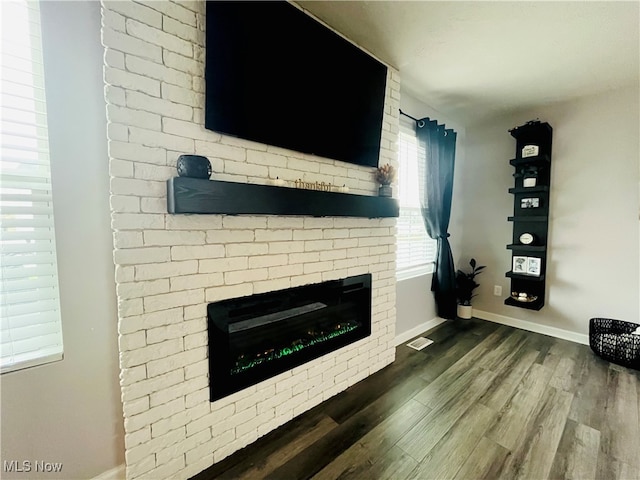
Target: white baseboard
x: 116, y: 473
x: 415, y: 331
x: 533, y: 327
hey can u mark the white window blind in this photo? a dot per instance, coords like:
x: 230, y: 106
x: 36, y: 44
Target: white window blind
x: 416, y: 250
x: 30, y: 322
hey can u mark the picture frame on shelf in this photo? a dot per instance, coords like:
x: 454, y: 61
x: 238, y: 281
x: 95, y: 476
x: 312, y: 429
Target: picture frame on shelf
x: 519, y: 265
x: 534, y: 266
x: 530, y: 151
x: 530, y: 203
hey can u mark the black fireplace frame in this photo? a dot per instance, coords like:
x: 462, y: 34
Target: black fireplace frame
x: 227, y: 317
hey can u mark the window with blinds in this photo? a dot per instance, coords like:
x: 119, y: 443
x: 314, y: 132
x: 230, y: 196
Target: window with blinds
x: 415, y: 249
x: 29, y: 299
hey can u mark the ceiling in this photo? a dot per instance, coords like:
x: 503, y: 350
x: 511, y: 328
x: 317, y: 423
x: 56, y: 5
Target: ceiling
x: 471, y: 60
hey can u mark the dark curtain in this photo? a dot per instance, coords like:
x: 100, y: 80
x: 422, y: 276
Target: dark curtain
x: 437, y: 183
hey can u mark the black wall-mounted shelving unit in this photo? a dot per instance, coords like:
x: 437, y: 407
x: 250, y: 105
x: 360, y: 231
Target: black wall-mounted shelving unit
x: 195, y: 195
x: 532, y: 220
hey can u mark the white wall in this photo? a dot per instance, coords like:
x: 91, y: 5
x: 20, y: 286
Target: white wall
x: 70, y: 411
x: 593, y: 254
x: 415, y: 301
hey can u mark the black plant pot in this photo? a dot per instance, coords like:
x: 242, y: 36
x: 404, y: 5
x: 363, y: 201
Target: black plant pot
x: 385, y: 191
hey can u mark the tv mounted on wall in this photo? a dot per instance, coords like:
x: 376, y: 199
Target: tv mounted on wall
x: 275, y: 75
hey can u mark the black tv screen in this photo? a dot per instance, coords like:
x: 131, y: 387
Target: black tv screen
x: 275, y: 75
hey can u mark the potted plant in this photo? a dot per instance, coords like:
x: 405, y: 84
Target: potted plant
x: 385, y: 175
x: 465, y: 285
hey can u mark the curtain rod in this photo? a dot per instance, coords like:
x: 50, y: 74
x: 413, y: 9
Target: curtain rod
x: 407, y: 115
x: 419, y: 122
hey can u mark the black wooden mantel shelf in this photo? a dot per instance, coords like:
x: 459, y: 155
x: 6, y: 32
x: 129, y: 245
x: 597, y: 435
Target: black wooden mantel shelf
x: 195, y: 195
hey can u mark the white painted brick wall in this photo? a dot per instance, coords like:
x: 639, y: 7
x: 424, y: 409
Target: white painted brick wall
x: 168, y: 267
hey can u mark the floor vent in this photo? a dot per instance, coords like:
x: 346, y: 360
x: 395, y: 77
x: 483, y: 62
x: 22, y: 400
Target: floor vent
x: 419, y: 343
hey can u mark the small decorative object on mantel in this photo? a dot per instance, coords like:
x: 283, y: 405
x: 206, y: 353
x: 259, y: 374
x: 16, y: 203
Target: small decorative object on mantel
x: 194, y: 166
x: 385, y: 175
x: 465, y: 285
x: 530, y: 151
x: 278, y: 182
x: 321, y: 186
x: 343, y: 189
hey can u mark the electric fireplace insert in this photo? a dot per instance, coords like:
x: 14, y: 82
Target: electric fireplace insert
x: 254, y: 338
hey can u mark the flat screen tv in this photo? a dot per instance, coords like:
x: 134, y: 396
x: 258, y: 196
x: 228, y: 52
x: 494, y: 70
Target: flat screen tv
x: 275, y: 75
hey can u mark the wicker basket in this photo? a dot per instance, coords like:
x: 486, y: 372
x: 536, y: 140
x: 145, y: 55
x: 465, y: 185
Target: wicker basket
x: 613, y: 341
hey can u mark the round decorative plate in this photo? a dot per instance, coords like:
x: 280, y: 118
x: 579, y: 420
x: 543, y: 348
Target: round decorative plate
x: 526, y: 238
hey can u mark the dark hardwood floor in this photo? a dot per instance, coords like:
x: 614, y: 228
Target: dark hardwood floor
x: 483, y: 401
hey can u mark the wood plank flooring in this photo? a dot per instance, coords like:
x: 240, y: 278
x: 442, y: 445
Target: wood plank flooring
x: 484, y: 401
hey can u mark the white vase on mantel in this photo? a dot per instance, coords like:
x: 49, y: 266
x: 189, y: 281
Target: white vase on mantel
x: 465, y: 311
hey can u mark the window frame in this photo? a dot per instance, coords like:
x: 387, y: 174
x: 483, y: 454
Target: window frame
x: 407, y: 127
x: 30, y: 316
